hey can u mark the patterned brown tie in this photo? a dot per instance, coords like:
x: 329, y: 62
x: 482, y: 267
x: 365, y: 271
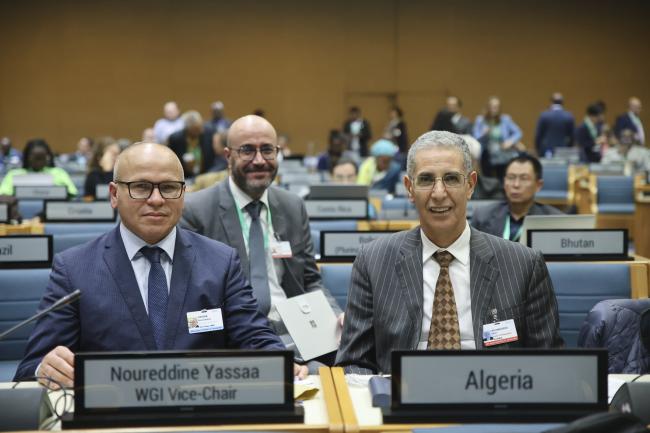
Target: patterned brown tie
x: 444, y: 332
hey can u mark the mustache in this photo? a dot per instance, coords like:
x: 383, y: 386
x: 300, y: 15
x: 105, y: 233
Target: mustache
x: 258, y: 170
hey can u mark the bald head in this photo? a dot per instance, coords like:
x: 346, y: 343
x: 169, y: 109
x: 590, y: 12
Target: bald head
x: 249, y: 124
x: 141, y: 154
x: 634, y: 105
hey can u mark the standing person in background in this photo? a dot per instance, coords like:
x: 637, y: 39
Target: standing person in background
x: 170, y: 123
x: 499, y: 136
x: 219, y: 122
x: 357, y: 129
x: 589, y: 135
x: 554, y: 128
x: 193, y: 144
x: 100, y: 168
x: 631, y: 120
x: 461, y: 124
x: 38, y: 158
x: 396, y: 132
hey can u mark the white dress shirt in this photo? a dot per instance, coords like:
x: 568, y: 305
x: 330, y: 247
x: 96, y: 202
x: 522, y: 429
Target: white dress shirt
x: 140, y: 264
x: 274, y: 267
x: 460, y: 281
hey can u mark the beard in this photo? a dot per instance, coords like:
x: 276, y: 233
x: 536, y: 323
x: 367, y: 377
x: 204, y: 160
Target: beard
x: 254, y: 187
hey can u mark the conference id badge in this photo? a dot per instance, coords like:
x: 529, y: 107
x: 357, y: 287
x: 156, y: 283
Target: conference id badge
x: 499, y: 332
x: 204, y: 321
x: 280, y: 249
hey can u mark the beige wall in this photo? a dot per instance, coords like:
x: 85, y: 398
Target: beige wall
x: 72, y: 68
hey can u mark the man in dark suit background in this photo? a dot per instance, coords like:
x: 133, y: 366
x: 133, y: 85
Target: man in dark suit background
x: 357, y: 131
x: 225, y: 212
x: 631, y: 120
x: 193, y: 144
x: 554, y: 127
x: 523, y: 179
x: 139, y: 281
x: 589, y: 135
x: 439, y: 285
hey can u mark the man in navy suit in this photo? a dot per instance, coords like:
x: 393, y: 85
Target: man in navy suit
x: 554, y: 127
x: 631, y: 120
x: 142, y: 281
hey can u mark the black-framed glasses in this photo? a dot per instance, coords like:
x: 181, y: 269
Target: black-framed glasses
x: 449, y: 180
x: 142, y: 189
x: 247, y: 152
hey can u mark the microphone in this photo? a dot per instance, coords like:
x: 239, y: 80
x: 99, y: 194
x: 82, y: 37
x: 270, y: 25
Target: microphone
x: 67, y: 299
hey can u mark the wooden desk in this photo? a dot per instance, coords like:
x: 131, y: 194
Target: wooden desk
x: 359, y: 416
x: 642, y: 221
x: 321, y: 414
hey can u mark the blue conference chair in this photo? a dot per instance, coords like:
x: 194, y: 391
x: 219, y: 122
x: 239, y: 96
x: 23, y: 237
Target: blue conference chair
x: 20, y: 294
x: 580, y: 286
x: 556, y: 185
x: 333, y: 225
x: 30, y: 208
x: 615, y: 194
x: 336, y: 278
x: 70, y: 228
x: 64, y: 241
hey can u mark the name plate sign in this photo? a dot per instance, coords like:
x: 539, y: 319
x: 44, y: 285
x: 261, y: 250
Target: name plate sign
x: 344, y: 246
x: 101, y: 192
x: 510, y: 378
x: 62, y: 211
x: 130, y: 380
x: 4, y: 213
x: 25, y: 251
x: 41, y: 192
x: 580, y: 244
x: 337, y: 209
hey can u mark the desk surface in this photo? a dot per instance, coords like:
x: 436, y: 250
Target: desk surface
x: 321, y: 414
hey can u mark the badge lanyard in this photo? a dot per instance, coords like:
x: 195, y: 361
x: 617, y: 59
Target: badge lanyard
x: 246, y: 229
x: 506, y: 231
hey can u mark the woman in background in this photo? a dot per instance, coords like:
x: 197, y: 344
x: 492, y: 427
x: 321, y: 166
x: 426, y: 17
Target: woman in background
x: 100, y: 168
x: 499, y: 136
x: 38, y: 158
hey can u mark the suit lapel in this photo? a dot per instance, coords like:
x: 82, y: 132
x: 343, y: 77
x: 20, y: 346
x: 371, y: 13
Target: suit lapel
x: 409, y: 272
x: 277, y: 216
x: 232, y: 228
x: 483, y: 277
x: 499, y: 220
x: 181, y: 273
x: 122, y: 271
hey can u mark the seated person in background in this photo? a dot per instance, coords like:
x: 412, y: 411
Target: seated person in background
x: 628, y: 150
x: 38, y: 158
x: 345, y: 171
x: 380, y: 171
x: 100, y: 169
x: 139, y: 280
x: 435, y: 286
x: 10, y: 157
x: 522, y: 181
x: 336, y: 149
x: 193, y: 144
x: 220, y: 162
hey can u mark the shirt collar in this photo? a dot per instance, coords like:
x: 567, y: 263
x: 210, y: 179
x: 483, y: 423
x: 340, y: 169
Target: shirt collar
x: 459, y: 249
x: 133, y: 243
x: 242, y: 199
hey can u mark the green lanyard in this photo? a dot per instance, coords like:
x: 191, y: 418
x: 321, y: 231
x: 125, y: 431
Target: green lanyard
x: 593, y: 131
x: 246, y: 229
x: 506, y: 231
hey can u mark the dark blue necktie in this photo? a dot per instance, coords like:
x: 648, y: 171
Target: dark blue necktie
x: 257, y: 258
x: 158, y: 294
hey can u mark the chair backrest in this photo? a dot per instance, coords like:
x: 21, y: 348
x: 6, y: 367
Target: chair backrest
x: 63, y: 241
x: 336, y: 278
x: 556, y: 178
x: 341, y: 225
x: 397, y: 203
x: 580, y: 286
x: 30, y: 208
x: 20, y: 293
x: 615, y: 189
x: 70, y: 228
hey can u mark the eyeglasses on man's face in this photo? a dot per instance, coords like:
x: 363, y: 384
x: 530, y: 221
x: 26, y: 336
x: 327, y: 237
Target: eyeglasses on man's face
x: 425, y: 181
x: 142, y: 189
x: 248, y: 152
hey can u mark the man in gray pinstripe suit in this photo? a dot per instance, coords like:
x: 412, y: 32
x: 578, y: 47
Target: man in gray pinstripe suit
x: 395, y: 279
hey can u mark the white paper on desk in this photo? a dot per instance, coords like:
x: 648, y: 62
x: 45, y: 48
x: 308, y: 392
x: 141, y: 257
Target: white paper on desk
x: 613, y: 384
x: 312, y: 324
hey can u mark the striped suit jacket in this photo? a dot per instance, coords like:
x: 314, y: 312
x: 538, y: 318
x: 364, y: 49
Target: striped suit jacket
x: 384, y: 310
